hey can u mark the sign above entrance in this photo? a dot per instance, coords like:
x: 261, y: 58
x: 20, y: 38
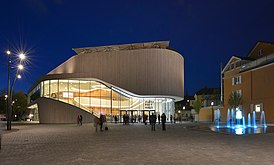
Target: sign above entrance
x: 149, y: 104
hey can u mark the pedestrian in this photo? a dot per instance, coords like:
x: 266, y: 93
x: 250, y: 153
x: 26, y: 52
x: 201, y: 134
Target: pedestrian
x: 145, y: 119
x: 174, y: 119
x: 81, y: 119
x: 158, y: 118
x: 171, y: 117
x: 115, y: 118
x: 163, y: 118
x: 153, y: 122
x: 95, y: 122
x: 78, y: 120
x: 101, y: 122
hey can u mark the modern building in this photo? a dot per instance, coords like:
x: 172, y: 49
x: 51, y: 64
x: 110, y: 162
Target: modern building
x: 252, y: 77
x: 133, y: 79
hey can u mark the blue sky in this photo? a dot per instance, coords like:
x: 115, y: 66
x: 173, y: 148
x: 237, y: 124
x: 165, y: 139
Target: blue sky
x: 206, y: 32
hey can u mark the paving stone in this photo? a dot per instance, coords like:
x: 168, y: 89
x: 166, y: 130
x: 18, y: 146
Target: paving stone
x: 131, y: 144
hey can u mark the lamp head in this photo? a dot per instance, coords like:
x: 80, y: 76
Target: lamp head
x: 22, y: 56
x: 20, y: 66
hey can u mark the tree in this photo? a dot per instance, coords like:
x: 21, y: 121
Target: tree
x: 3, y: 101
x: 235, y: 99
x: 197, y: 105
x: 20, y: 105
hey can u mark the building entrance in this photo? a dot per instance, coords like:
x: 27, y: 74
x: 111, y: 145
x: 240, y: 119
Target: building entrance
x: 135, y: 116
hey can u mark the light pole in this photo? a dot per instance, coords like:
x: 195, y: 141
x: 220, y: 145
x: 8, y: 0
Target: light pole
x: 10, y: 86
x: 212, y: 113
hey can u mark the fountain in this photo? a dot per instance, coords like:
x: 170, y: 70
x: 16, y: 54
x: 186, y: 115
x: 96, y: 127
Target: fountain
x: 236, y: 122
x: 254, y: 119
x: 217, y: 115
x: 228, y: 118
x: 248, y: 121
x: 262, y: 120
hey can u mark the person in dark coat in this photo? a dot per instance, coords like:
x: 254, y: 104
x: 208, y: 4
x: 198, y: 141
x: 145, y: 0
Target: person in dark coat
x: 101, y: 122
x: 115, y: 118
x: 159, y: 118
x: 81, y: 119
x: 153, y: 122
x: 163, y: 118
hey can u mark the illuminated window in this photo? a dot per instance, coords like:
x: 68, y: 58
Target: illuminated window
x: 261, y: 52
x: 257, y: 108
x: 237, y: 80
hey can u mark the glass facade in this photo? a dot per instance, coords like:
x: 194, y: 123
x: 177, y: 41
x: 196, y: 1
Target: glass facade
x: 97, y: 98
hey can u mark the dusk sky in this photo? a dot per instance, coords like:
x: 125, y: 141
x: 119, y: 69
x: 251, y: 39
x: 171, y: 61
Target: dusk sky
x: 205, y: 32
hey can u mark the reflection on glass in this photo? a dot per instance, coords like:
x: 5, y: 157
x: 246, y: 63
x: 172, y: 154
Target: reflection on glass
x: 63, y: 91
x: 97, y: 98
x: 46, y: 88
x: 54, y: 89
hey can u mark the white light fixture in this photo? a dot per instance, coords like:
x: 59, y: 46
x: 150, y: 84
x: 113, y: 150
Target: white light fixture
x: 19, y: 76
x: 184, y: 107
x: 8, y: 52
x: 20, y: 66
x: 212, y: 103
x: 22, y: 56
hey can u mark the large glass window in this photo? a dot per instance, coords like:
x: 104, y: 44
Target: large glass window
x: 63, y: 91
x: 84, y: 95
x: 74, y: 92
x: 54, y: 89
x: 97, y: 98
x: 46, y: 88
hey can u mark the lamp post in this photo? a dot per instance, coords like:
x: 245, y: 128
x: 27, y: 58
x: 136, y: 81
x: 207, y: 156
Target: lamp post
x: 10, y: 86
x: 212, y: 113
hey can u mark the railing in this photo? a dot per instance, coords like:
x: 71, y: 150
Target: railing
x: 258, y: 62
x: 77, y: 104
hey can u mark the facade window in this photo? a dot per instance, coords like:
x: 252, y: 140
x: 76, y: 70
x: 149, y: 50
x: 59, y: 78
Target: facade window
x: 261, y: 52
x: 237, y: 80
x: 97, y: 98
x: 239, y: 92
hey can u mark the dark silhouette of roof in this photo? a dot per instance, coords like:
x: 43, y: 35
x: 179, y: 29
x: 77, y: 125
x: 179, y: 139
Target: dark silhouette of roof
x: 208, y: 91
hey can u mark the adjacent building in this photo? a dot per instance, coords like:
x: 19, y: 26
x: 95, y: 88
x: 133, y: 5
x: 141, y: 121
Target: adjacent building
x: 133, y: 79
x: 252, y: 77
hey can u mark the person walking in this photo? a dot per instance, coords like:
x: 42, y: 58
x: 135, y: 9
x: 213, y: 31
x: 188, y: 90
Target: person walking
x: 153, y: 122
x: 159, y: 119
x: 101, y: 122
x: 81, y: 120
x: 171, y: 117
x: 96, y: 122
x: 163, y: 118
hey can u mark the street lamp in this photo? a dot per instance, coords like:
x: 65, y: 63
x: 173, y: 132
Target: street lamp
x: 22, y: 56
x: 212, y: 113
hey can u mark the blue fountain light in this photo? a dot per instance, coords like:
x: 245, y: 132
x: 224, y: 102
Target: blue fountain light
x: 240, y: 127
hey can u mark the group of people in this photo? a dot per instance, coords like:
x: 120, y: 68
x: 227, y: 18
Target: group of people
x: 152, y: 120
x: 126, y: 119
x: 100, y: 121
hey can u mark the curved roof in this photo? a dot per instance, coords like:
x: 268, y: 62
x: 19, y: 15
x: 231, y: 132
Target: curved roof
x: 134, y: 46
x: 153, y: 71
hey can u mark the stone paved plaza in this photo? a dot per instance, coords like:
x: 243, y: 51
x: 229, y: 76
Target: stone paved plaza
x: 132, y: 144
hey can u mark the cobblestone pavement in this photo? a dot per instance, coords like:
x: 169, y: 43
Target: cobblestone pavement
x: 132, y: 144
